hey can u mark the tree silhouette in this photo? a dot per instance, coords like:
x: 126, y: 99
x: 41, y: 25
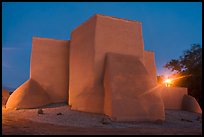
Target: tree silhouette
x: 190, y: 65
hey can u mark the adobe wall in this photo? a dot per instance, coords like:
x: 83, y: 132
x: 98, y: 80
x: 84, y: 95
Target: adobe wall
x: 150, y: 65
x: 173, y: 97
x: 129, y: 94
x: 5, y: 95
x: 118, y: 36
x: 75, y: 71
x: 189, y: 103
x: 49, y: 66
x: 84, y: 93
x: 89, y: 44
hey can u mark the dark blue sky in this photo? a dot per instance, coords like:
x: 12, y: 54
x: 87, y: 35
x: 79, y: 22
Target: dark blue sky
x: 168, y: 29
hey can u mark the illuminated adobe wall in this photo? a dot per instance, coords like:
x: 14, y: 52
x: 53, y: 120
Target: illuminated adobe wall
x: 129, y: 91
x: 189, y: 103
x: 48, y: 83
x: 49, y: 66
x: 150, y: 65
x: 89, y: 44
x: 173, y: 97
x: 76, y: 72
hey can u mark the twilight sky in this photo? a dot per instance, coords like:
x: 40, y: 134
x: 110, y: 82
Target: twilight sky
x: 168, y: 28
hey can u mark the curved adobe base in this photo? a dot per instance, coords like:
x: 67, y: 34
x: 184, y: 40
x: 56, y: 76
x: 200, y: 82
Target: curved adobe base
x: 190, y: 104
x: 5, y: 96
x: 29, y: 95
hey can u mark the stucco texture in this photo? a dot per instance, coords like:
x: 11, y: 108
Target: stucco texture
x: 102, y: 69
x: 5, y: 96
x: 89, y: 44
x: 49, y: 75
x: 129, y: 91
x: 29, y: 95
x: 50, y: 67
x: 172, y: 96
x: 189, y: 103
x: 150, y: 65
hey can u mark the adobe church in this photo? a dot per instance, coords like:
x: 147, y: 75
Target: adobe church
x: 103, y: 69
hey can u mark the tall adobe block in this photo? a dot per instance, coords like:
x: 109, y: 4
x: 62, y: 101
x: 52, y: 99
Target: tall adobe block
x: 50, y: 67
x: 48, y: 83
x: 89, y: 44
x: 150, y: 65
x: 130, y: 93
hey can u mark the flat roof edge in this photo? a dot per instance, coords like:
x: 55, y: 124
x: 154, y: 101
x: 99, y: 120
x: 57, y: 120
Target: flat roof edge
x: 37, y: 37
x: 118, y: 18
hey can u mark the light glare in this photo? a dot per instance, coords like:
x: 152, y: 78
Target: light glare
x: 168, y: 82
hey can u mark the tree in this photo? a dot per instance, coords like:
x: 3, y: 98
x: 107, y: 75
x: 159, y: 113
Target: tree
x: 189, y: 65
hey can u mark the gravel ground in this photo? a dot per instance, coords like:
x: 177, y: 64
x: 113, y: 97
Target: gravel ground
x: 61, y: 115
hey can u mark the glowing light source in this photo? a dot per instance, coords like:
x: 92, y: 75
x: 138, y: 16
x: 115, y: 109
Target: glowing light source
x: 168, y: 82
x: 172, y: 79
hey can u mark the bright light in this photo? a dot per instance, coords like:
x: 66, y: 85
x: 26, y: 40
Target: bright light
x: 172, y: 79
x: 168, y: 82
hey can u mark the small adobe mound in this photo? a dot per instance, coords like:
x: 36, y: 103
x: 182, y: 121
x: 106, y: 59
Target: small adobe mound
x: 190, y: 104
x: 29, y: 95
x: 5, y: 96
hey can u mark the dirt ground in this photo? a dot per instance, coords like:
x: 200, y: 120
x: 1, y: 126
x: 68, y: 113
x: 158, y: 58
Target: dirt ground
x: 13, y: 124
